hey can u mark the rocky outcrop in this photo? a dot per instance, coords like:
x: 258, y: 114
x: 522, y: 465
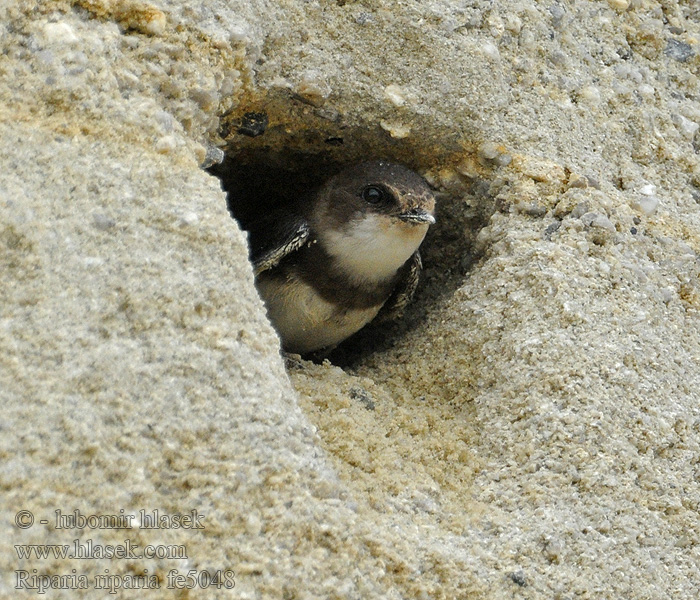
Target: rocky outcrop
x: 531, y: 428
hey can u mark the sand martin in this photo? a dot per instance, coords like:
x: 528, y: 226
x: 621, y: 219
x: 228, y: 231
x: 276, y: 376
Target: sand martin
x: 327, y: 266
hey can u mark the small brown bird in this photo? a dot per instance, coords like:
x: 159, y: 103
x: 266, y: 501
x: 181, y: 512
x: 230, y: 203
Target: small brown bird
x: 328, y: 265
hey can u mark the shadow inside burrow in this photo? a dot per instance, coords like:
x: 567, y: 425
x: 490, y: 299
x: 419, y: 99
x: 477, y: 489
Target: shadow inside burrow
x: 258, y: 181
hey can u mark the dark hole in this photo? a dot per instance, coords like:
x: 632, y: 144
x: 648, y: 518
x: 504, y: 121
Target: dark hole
x: 256, y: 182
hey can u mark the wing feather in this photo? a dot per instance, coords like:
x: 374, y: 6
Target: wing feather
x: 274, y: 237
x: 405, y: 289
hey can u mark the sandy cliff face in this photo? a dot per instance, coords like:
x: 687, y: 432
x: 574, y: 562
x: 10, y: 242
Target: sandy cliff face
x: 531, y: 429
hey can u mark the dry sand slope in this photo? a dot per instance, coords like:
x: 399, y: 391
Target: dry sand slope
x: 530, y: 430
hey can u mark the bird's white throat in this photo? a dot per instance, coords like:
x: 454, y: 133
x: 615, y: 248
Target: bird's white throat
x: 374, y: 247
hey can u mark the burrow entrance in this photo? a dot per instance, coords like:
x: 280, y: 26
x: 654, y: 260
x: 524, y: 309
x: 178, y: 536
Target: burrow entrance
x: 260, y: 176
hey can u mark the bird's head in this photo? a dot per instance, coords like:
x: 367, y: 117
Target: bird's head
x: 372, y: 217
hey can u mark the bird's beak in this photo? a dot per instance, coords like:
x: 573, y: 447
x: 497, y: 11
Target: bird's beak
x: 417, y: 216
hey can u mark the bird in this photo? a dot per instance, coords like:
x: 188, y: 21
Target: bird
x: 327, y: 264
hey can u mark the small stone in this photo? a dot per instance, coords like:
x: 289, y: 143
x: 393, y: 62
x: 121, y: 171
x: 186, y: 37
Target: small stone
x: 518, y: 577
x: 558, y: 58
x: 329, y: 113
x: 240, y: 33
x: 619, y: 4
x: 363, y: 18
x: 625, y: 52
x: 489, y: 151
x: 189, y: 218
x: 313, y: 89
x: 579, y: 210
x: 554, y: 550
x: 398, y: 131
x: 592, y: 219
x: 579, y: 181
x: 495, y: 26
x: 687, y: 127
x: 490, y: 50
x: 468, y: 168
x: 646, y: 204
x: 93, y: 261
x: 527, y: 40
x: 358, y: 393
x: 395, y: 95
x: 551, y: 230
x: 593, y: 182
x: 646, y: 91
x: 448, y: 179
x: 102, y: 221
x: 166, y: 144
x: 678, y: 50
x: 59, y: 33
x: 496, y: 154
x: 230, y: 83
x: 165, y: 120
x: 540, y: 170
x: 513, y: 23
x: 213, y: 156
x: 143, y: 18
x: 532, y: 209
x: 558, y: 14
x: 503, y: 159
x: 590, y: 94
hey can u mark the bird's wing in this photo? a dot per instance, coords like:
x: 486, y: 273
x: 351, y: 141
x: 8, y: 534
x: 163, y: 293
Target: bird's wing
x: 274, y: 237
x: 403, y: 292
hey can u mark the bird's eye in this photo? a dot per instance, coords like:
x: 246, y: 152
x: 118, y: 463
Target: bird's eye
x: 373, y: 194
